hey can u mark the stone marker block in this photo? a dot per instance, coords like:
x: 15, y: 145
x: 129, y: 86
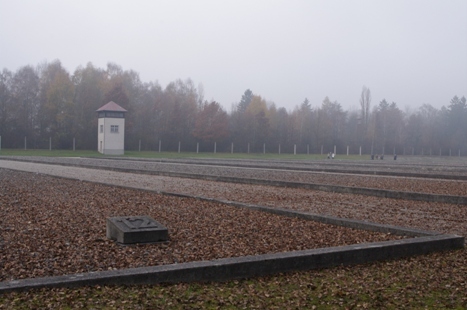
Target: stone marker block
x: 135, y: 229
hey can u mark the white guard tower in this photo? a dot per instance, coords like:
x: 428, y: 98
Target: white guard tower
x: 111, y: 129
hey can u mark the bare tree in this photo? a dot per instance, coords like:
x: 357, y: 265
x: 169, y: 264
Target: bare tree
x: 365, y: 102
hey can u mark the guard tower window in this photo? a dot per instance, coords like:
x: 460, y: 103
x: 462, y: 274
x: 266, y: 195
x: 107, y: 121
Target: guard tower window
x: 102, y: 128
x: 114, y: 128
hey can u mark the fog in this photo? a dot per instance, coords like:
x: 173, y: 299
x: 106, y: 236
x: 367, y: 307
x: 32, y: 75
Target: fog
x: 408, y: 52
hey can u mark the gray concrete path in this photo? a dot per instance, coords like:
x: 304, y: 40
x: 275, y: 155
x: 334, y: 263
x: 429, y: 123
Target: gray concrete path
x: 141, y: 181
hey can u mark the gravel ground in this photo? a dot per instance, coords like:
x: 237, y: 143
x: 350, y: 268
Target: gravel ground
x: 435, y: 281
x: 52, y: 226
x: 405, y: 184
x: 442, y: 217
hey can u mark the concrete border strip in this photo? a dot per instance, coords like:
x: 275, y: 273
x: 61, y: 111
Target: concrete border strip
x: 326, y: 219
x: 247, y: 266
x: 308, y: 169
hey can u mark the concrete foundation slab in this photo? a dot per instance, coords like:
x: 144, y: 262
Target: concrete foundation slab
x: 419, y: 243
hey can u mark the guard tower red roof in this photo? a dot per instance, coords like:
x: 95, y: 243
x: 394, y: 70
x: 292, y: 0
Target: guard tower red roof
x: 112, y: 107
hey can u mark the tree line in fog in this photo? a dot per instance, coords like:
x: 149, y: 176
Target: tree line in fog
x: 47, y: 103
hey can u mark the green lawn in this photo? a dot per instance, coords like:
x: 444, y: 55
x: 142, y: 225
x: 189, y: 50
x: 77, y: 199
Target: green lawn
x: 152, y: 154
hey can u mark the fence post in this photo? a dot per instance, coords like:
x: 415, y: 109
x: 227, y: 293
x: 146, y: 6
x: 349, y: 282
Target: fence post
x: 335, y: 150
x: 264, y: 148
x: 307, y: 149
x: 25, y: 143
x: 139, y: 146
x: 179, y: 146
x: 231, y: 148
x: 0, y: 143
x: 295, y: 149
x: 321, y: 149
x: 279, y: 148
x: 248, y: 147
x: 50, y: 143
x: 360, y: 150
x: 159, y: 146
x: 74, y: 145
x: 197, y: 147
x: 215, y: 147
x: 347, y: 150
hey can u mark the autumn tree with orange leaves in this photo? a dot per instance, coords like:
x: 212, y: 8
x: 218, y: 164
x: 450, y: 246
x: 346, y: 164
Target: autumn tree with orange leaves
x: 211, y: 124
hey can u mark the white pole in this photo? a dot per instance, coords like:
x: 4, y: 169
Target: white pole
x: 0, y: 143
x: 335, y: 150
x: 231, y: 148
x: 295, y: 149
x: 74, y: 145
x: 215, y: 147
x: 25, y: 143
x: 307, y: 149
x: 197, y: 147
x: 279, y: 148
x: 160, y: 146
x: 264, y: 148
x: 50, y: 143
x: 139, y: 146
x: 321, y: 149
x: 347, y: 150
x: 248, y: 148
x: 179, y: 146
x: 360, y: 150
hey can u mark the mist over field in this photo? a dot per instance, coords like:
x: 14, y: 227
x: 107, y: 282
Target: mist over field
x: 408, y: 52
x: 376, y: 76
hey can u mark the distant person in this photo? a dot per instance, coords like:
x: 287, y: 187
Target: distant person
x: 332, y: 155
x: 395, y: 156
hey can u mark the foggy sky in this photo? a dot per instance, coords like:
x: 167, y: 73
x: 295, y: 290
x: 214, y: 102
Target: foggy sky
x: 407, y: 51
